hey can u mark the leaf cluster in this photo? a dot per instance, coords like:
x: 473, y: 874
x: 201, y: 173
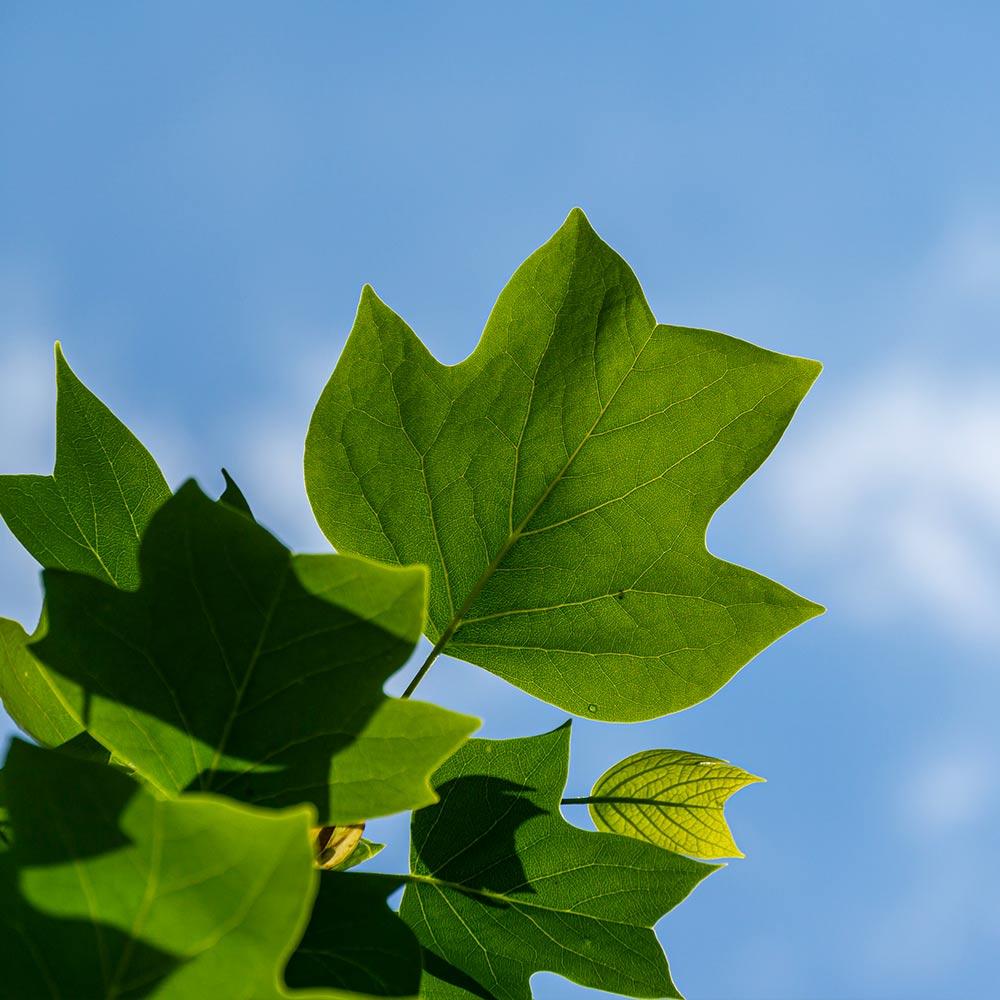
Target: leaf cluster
x: 208, y: 727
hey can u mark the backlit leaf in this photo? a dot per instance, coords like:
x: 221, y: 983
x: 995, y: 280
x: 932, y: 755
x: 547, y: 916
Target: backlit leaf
x: 241, y: 669
x: 364, y: 851
x: 89, y: 515
x: 501, y: 886
x: 110, y: 891
x: 31, y: 696
x: 672, y: 799
x: 559, y: 483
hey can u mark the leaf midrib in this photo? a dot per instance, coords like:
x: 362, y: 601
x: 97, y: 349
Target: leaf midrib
x: 465, y: 890
x: 515, y: 535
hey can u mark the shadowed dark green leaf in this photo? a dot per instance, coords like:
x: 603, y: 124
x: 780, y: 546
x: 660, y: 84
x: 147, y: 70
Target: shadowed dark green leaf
x: 31, y: 696
x: 233, y: 496
x: 672, y: 799
x: 89, y: 515
x: 6, y: 834
x: 241, y: 669
x: 501, y: 886
x: 112, y: 892
x: 442, y: 981
x: 559, y: 483
x: 354, y: 941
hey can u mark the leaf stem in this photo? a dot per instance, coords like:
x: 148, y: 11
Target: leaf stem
x: 426, y: 665
x: 516, y: 533
x: 628, y: 800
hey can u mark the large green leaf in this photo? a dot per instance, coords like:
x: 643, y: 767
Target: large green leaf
x: 559, y: 483
x: 670, y: 798
x: 89, y: 515
x: 112, y: 892
x: 30, y: 694
x: 354, y: 941
x: 239, y: 668
x: 502, y: 886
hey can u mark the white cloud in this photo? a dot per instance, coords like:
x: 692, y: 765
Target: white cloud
x: 897, y: 493
x: 949, y: 793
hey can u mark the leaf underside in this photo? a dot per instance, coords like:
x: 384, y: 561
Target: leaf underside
x: 501, y: 886
x: 672, y: 799
x: 241, y: 669
x: 87, y: 517
x: 112, y: 892
x: 559, y: 483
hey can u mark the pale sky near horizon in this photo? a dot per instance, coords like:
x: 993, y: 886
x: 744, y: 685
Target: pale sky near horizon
x: 192, y: 195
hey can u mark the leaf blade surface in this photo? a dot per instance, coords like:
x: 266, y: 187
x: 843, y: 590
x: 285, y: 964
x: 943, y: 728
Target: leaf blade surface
x: 89, y: 514
x: 501, y: 886
x: 559, y: 483
x: 239, y: 668
x: 111, y: 892
x: 670, y: 798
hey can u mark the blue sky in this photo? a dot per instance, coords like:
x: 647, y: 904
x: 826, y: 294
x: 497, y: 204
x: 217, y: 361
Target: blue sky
x: 192, y: 195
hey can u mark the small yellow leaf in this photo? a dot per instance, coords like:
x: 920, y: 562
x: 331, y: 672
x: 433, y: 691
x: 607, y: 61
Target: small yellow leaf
x: 672, y: 799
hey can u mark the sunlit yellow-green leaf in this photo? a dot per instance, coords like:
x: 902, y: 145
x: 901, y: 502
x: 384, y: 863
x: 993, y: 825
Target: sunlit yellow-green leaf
x: 672, y: 799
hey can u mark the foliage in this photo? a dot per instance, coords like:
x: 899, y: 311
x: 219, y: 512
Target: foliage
x: 207, y: 708
x: 502, y: 886
x: 558, y: 483
x: 670, y: 798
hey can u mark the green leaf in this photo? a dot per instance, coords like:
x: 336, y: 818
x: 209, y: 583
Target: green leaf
x: 672, y: 799
x: 559, y: 483
x: 442, y: 981
x: 233, y: 496
x: 89, y: 515
x: 111, y: 892
x: 241, y: 669
x: 354, y: 941
x: 31, y: 696
x: 6, y: 834
x: 502, y: 886
x: 365, y: 851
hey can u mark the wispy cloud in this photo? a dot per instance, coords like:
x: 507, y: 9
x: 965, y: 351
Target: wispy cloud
x: 944, y: 914
x: 948, y: 792
x: 898, y: 493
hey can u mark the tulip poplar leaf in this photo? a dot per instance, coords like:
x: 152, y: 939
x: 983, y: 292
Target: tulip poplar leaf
x: 672, y: 799
x: 354, y: 941
x: 559, y: 483
x: 31, y: 696
x: 110, y: 891
x: 89, y: 515
x: 501, y: 886
x: 239, y: 668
